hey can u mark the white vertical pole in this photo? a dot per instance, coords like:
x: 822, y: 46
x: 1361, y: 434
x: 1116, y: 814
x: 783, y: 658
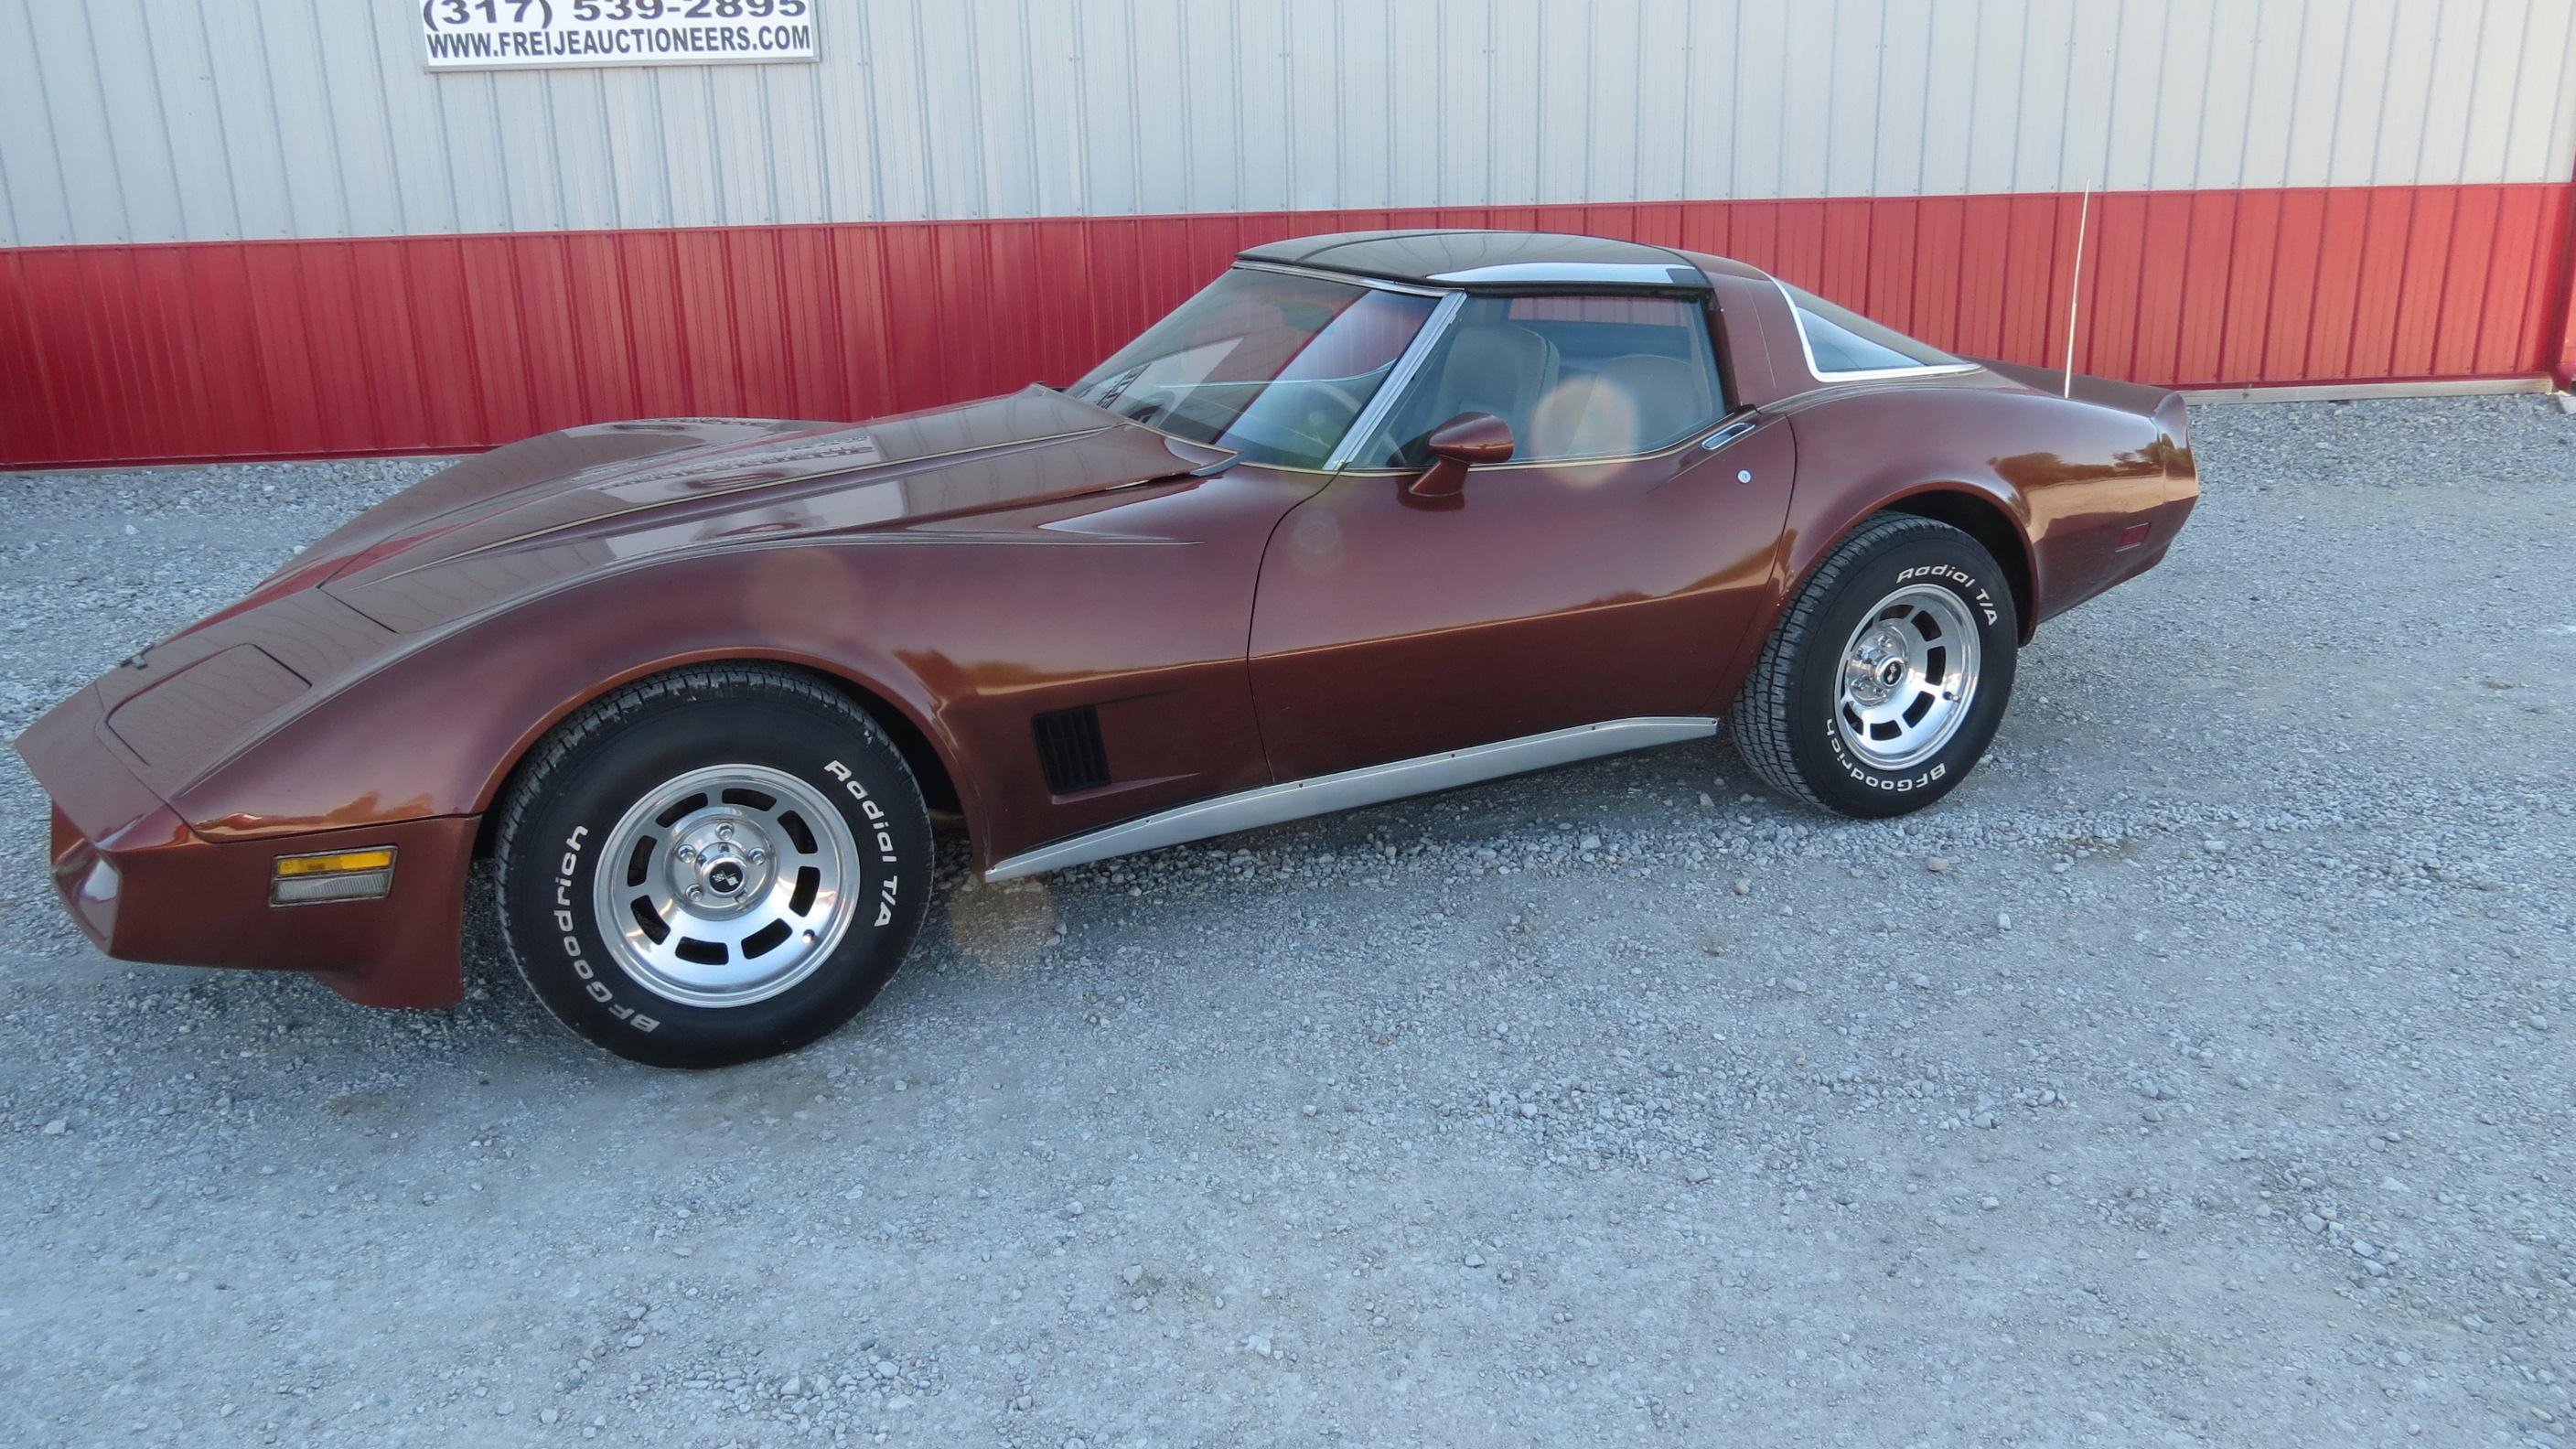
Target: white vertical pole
x: 2075, y: 291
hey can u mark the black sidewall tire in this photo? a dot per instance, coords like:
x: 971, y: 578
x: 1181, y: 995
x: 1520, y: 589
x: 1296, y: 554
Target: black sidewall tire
x: 1945, y: 559
x: 546, y: 882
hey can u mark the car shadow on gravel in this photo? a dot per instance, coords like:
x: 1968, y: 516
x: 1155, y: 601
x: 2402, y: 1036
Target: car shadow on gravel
x: 976, y: 938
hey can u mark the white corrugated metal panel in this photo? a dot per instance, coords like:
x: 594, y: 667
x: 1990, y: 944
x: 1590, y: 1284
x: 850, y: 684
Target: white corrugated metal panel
x: 155, y: 120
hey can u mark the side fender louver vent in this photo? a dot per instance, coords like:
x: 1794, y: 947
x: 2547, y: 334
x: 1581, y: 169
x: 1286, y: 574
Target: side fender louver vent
x: 1070, y: 752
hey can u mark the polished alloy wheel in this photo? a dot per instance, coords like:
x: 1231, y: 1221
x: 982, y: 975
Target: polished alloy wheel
x: 1909, y: 676
x: 726, y: 886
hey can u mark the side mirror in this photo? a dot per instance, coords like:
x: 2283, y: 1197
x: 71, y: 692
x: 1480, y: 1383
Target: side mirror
x: 1458, y: 445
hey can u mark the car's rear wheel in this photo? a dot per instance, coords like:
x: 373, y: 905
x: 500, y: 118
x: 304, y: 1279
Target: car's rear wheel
x: 1883, y: 683
x: 712, y: 865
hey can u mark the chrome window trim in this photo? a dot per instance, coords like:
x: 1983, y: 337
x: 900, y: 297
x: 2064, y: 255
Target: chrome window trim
x: 1348, y: 279
x: 1575, y: 274
x: 1857, y: 374
x: 1399, y: 378
x: 1350, y: 789
x: 1374, y: 416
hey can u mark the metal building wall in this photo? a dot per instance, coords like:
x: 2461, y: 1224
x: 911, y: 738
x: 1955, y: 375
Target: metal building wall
x: 234, y: 227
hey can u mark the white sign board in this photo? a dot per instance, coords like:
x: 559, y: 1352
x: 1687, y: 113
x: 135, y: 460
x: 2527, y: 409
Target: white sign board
x: 514, y: 34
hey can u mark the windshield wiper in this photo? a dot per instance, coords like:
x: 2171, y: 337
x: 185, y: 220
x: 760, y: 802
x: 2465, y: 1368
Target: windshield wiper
x: 1112, y: 389
x: 1208, y: 471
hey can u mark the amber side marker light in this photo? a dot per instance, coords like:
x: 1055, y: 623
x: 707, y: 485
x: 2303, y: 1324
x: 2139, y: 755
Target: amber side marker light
x: 338, y: 875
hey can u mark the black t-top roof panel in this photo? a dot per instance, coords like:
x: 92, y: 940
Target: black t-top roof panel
x: 1488, y: 259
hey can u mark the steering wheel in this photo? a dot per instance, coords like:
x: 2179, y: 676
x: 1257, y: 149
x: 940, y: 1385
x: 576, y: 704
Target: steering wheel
x: 1349, y: 408
x: 1328, y: 410
x: 1339, y: 394
x: 1287, y: 435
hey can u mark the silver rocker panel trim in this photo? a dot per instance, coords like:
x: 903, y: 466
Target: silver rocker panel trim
x: 1350, y: 789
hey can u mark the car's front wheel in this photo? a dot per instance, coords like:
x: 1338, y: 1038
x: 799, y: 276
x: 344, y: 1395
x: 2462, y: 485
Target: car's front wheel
x: 712, y: 865
x: 1884, y: 681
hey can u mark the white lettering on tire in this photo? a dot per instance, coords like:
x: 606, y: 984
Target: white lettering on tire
x: 1966, y: 583
x: 595, y: 988
x: 884, y: 831
x: 1897, y: 784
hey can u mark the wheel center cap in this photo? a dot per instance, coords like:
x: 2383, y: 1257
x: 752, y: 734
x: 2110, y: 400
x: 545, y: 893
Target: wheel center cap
x: 1876, y: 667
x: 720, y: 863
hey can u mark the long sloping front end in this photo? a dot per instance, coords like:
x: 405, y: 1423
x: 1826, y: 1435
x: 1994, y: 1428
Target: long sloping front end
x: 144, y: 886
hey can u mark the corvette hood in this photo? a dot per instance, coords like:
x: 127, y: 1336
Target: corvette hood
x: 555, y: 508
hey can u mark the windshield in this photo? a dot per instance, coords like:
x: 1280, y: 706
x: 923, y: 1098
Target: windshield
x: 1272, y: 366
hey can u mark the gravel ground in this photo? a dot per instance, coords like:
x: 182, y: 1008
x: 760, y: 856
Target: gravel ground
x: 2199, y: 1074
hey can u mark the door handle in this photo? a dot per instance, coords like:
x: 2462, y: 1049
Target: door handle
x: 1730, y: 432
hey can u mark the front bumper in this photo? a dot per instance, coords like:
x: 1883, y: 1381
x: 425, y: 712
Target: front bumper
x: 146, y: 887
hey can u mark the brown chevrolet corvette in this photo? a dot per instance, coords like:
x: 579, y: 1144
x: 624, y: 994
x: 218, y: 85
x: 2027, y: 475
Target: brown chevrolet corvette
x: 1372, y: 515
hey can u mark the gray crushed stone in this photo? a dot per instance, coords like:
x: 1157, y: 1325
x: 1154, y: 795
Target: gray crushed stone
x: 2199, y: 1074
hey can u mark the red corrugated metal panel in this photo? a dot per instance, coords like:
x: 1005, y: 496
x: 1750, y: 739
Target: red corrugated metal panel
x: 2335, y: 311
x: 281, y: 349
x: 495, y: 351
x: 2248, y: 282
x: 445, y: 361
x: 1843, y: 267
x: 2200, y: 315
x: 2037, y: 234
x: 27, y: 409
x: 1892, y: 244
x: 2388, y: 222
x: 1754, y: 232
x: 707, y: 368
x: 61, y: 346
x: 2157, y: 316
x: 2293, y: 265
x: 2553, y: 289
x: 1943, y: 276
x: 2115, y: 258
x: 389, y: 344
x: 2473, y: 232
x: 2421, y: 276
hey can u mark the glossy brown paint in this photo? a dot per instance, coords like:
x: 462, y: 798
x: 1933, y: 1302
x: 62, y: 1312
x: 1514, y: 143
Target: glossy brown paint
x: 2073, y: 477
x: 964, y: 569
x: 1756, y: 335
x: 1545, y: 596
x: 965, y: 627
x: 182, y: 898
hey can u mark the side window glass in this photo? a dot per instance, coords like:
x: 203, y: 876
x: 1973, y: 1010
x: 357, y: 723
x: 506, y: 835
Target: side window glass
x: 1840, y: 340
x: 1574, y: 376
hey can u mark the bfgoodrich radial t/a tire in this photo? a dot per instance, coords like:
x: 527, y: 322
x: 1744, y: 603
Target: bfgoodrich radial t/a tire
x: 713, y: 865
x: 1883, y: 683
